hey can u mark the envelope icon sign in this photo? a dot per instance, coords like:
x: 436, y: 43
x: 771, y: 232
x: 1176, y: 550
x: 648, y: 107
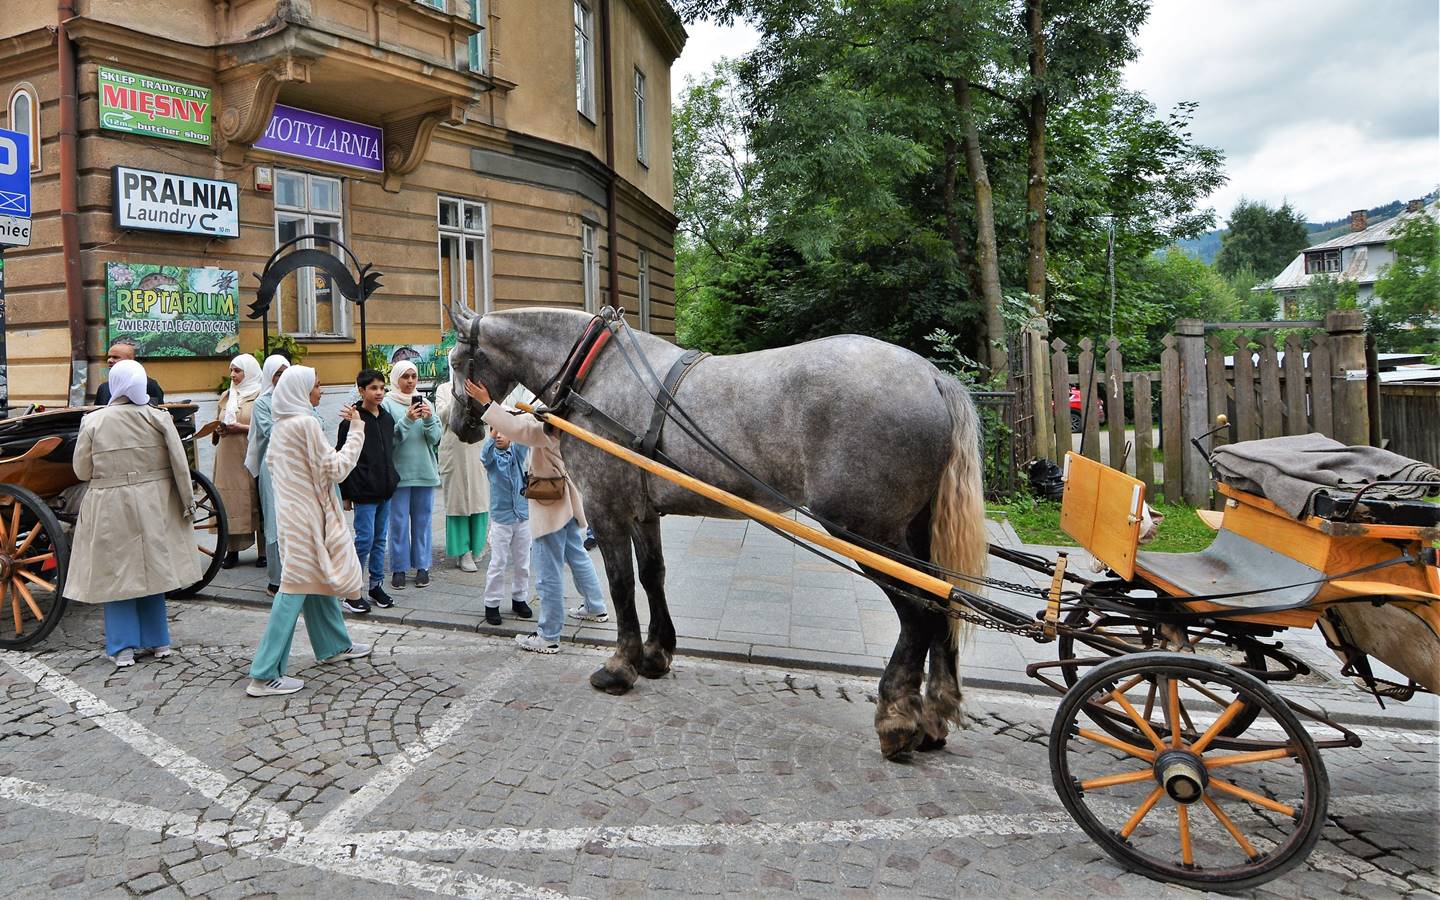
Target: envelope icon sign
x: 13, y: 203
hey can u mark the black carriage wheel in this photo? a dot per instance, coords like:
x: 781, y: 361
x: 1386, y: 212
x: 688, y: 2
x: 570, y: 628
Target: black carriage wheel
x: 1143, y: 637
x: 34, y: 554
x: 1186, y: 805
x: 211, y: 534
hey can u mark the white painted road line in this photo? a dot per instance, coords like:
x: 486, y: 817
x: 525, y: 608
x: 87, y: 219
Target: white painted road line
x: 348, y: 815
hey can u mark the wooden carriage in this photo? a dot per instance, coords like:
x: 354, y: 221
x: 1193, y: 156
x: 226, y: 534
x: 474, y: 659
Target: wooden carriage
x: 39, y: 500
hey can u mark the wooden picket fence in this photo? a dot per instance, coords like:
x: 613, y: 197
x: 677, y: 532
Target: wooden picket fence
x: 1269, y: 390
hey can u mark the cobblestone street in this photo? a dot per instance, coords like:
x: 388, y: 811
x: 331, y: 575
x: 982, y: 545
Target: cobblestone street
x: 449, y: 763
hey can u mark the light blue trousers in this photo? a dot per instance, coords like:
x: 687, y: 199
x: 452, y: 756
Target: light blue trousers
x: 136, y: 624
x: 410, y: 528
x: 550, y: 554
x: 324, y: 623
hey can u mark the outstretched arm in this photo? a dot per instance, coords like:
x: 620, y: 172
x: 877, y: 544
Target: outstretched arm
x: 335, y: 464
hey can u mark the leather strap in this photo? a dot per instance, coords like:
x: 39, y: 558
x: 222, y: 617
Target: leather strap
x: 678, y: 370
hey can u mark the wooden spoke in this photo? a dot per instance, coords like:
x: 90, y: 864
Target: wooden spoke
x: 1218, y: 726
x: 1120, y: 745
x: 205, y: 527
x: 1252, y: 797
x: 207, y: 552
x: 35, y: 560
x: 1141, y: 813
x: 1125, y: 688
x: 1209, y: 694
x: 1230, y: 826
x: 1113, y: 780
x: 29, y: 600
x: 26, y: 574
x: 1140, y: 723
x: 1187, y: 852
x: 29, y: 539
x: 14, y: 522
x: 1172, y: 712
x: 1150, y: 700
x: 14, y: 606
x: 1185, y: 717
x: 4, y: 535
x: 1242, y: 759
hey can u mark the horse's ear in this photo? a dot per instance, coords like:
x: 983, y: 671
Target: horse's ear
x: 460, y: 317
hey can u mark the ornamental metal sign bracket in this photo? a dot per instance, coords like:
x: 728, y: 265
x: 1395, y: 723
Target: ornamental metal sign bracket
x: 356, y: 287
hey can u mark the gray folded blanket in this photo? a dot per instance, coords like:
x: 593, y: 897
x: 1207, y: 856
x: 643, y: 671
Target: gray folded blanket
x: 1290, y: 471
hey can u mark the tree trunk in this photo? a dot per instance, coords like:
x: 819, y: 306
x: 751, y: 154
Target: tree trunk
x: 986, y: 258
x: 1035, y: 203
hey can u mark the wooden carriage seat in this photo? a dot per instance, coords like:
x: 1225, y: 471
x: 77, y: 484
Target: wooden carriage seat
x: 1232, y: 563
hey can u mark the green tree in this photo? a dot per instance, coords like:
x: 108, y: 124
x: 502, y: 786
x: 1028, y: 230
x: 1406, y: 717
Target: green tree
x: 1261, y: 239
x: 1406, y: 313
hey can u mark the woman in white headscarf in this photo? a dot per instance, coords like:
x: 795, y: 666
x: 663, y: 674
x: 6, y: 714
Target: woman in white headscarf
x: 133, y: 539
x: 320, y: 564
x: 259, y: 441
x: 417, y: 442
x: 236, y: 485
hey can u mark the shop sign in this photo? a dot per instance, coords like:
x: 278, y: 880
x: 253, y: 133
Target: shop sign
x: 173, y: 311
x: 159, y: 201
x: 14, y: 189
x: 311, y: 135
x: 154, y: 107
x: 432, y: 361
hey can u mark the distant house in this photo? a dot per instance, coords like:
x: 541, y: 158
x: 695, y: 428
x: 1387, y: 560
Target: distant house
x: 1360, y: 256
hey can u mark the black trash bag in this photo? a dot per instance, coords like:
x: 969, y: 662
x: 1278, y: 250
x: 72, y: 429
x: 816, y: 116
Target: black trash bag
x: 1045, y: 479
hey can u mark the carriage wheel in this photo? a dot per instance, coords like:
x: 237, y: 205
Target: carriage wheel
x: 1187, y: 804
x: 1144, y: 636
x: 34, y: 553
x: 211, y: 533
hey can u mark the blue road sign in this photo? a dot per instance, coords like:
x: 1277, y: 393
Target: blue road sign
x: 14, y: 174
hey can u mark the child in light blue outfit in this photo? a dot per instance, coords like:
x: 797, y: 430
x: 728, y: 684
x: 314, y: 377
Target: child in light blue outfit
x: 509, y: 570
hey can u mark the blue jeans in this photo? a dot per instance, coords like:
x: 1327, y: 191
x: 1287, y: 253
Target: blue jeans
x: 550, y: 555
x: 410, y: 528
x: 136, y: 624
x: 372, y: 521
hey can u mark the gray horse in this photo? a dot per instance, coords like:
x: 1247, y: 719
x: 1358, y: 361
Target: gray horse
x: 867, y: 435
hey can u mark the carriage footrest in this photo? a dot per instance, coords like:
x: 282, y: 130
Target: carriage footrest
x: 1390, y: 690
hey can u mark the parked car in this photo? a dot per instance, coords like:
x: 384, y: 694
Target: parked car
x: 1077, y: 409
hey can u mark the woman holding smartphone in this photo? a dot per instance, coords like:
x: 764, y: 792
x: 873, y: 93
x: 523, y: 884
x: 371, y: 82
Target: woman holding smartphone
x: 417, y: 441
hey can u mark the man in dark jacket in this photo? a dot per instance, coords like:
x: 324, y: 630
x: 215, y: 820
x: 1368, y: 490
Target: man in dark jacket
x: 370, y: 485
x: 125, y: 349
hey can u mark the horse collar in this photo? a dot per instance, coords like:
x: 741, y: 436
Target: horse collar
x: 577, y: 365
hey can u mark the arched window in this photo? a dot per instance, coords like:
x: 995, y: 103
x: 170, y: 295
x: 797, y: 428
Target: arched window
x: 24, y: 108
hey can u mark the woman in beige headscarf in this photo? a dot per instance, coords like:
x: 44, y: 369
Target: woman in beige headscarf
x: 232, y: 437
x: 466, y: 489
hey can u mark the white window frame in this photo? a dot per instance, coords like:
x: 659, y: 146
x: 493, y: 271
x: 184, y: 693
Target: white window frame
x: 305, y: 301
x: 642, y: 288
x: 590, y: 267
x: 31, y: 125
x: 479, y: 61
x: 584, y: 60
x: 464, y: 235
x: 642, y: 139
x: 434, y: 4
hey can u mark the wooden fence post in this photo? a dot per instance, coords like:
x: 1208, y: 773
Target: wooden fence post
x: 1272, y: 413
x: 1039, y: 388
x: 1195, y: 407
x: 1217, y: 387
x: 1346, y: 328
x: 1296, y: 422
x: 1172, y: 435
x: 1089, y: 415
x: 1060, y: 399
x: 1247, y: 418
x: 1322, y: 404
x: 1144, y: 456
x: 1115, y: 403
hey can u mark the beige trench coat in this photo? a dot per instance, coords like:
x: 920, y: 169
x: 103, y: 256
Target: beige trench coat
x: 234, y: 481
x: 463, y: 482
x: 134, y: 536
x: 545, y: 462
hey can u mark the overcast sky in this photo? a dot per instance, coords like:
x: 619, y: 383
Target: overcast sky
x: 1330, y: 104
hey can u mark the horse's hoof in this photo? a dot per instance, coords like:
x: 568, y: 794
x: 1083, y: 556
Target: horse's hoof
x: 898, y: 738
x: 928, y: 743
x: 655, y: 663
x: 617, y: 683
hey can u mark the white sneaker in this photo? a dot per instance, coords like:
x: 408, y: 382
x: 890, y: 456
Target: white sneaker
x: 585, y: 615
x: 536, y: 644
x: 281, y: 685
x: 356, y: 651
x: 123, y: 659
x: 160, y: 652
x: 467, y: 562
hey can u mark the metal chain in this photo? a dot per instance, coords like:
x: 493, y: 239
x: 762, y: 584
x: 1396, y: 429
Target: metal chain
x: 1033, y: 630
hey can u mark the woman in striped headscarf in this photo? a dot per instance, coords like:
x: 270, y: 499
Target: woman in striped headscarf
x: 320, y: 565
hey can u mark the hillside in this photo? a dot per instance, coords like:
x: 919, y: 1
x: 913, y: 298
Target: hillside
x: 1207, y: 246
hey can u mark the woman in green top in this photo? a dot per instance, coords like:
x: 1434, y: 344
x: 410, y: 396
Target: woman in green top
x: 417, y: 440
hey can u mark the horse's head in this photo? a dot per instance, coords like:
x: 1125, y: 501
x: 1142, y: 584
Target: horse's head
x: 468, y: 359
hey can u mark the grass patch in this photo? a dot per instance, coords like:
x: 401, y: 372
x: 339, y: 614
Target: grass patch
x: 1038, y: 522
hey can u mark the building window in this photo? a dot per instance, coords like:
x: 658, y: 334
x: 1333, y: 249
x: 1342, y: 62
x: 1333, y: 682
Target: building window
x: 584, y: 60
x: 642, y: 288
x: 433, y: 4
x: 642, y: 145
x: 1323, y: 262
x: 589, y: 268
x: 479, y: 54
x: 464, y: 256
x: 310, y: 304
x: 24, y: 109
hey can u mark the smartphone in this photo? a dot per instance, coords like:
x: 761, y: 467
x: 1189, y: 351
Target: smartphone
x: 416, y: 400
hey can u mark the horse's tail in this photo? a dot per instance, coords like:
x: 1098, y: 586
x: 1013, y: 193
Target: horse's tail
x: 957, y: 525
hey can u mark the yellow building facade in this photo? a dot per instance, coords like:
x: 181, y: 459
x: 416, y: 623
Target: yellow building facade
x: 498, y: 153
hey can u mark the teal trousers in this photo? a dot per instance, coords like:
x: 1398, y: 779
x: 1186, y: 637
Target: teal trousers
x: 324, y: 622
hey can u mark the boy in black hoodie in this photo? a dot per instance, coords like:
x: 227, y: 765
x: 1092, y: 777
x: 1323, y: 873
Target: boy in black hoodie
x: 370, y: 485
